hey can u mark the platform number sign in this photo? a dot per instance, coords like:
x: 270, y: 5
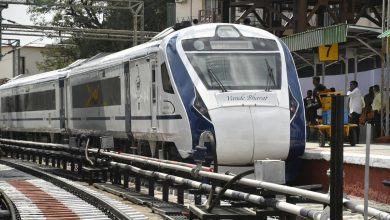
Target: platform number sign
x: 328, y: 52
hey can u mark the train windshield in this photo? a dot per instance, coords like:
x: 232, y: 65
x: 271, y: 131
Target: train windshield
x: 235, y: 65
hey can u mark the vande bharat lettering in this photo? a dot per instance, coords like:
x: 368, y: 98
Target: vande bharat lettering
x: 247, y: 98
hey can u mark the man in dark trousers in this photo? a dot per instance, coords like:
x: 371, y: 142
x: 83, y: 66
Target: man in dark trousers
x: 355, y: 106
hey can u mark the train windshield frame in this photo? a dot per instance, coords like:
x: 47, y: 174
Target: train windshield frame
x: 241, y: 64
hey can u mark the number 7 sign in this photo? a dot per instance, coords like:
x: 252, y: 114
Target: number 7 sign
x: 328, y: 52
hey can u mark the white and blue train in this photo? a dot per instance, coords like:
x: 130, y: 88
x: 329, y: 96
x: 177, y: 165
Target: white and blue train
x: 236, y: 81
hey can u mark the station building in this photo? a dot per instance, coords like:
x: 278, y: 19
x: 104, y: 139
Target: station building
x: 11, y: 66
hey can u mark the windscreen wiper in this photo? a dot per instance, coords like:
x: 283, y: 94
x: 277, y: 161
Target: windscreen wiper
x: 270, y: 76
x: 211, y: 73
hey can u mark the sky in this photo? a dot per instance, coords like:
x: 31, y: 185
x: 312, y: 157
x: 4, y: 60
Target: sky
x: 18, y: 14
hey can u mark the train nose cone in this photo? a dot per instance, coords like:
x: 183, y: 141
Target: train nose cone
x: 271, y: 126
x: 245, y: 134
x: 233, y: 128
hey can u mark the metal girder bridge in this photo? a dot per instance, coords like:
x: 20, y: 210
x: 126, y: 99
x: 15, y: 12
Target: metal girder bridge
x: 285, y: 17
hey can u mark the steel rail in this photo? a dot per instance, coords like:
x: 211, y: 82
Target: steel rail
x: 255, y: 199
x: 41, y: 144
x: 67, y: 147
x: 320, y: 197
x: 43, y: 151
x: 101, y: 204
x: 10, y: 205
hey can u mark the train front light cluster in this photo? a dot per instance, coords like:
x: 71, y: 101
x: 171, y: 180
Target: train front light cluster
x: 293, y: 105
x: 200, y: 106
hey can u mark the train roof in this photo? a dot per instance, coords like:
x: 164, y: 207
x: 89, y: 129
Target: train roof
x: 82, y: 65
x: 23, y: 80
x: 209, y: 30
x: 118, y: 57
x: 104, y: 60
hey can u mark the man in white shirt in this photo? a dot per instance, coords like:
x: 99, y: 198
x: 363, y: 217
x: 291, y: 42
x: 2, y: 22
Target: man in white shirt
x: 355, y: 106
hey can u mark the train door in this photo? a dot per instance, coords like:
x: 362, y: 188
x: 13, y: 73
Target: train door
x: 126, y: 71
x: 153, y: 99
x: 143, y: 116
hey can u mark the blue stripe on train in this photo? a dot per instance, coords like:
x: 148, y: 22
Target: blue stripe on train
x: 297, y: 125
x: 186, y: 89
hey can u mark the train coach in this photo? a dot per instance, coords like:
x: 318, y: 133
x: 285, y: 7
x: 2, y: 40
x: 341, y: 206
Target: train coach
x: 235, y: 81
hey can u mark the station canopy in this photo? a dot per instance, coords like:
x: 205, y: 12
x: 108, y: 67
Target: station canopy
x: 353, y: 41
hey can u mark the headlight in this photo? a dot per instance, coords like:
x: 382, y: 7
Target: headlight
x: 200, y: 106
x: 293, y: 104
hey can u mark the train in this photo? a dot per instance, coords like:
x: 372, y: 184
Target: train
x: 235, y: 81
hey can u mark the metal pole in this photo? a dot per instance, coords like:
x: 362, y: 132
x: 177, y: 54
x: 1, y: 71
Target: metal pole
x: 135, y: 25
x: 323, y: 72
x: 367, y: 171
x: 256, y: 199
x: 355, y: 63
x: 191, y: 10
x: 225, y: 11
x: 387, y: 72
x: 336, y: 158
x: 320, y: 197
x: 346, y: 70
x: 382, y: 62
x: 315, y: 59
x: 1, y: 21
x: 2, y: 6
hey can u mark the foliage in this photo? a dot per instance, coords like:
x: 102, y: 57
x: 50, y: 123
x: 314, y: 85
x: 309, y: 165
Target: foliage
x: 57, y: 57
x: 83, y: 14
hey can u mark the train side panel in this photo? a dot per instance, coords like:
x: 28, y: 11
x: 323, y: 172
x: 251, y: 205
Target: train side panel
x: 96, y: 102
x: 5, y: 115
x: 33, y: 107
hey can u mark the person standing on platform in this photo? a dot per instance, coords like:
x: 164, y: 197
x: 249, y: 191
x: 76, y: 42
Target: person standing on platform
x: 318, y: 87
x: 310, y: 111
x: 311, y: 103
x: 376, y: 107
x: 355, y: 106
x: 368, y: 99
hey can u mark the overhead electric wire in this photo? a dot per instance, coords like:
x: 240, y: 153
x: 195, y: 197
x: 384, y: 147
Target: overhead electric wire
x: 17, y: 48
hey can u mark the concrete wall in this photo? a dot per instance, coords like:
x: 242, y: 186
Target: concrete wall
x: 32, y: 56
x: 365, y: 80
x: 188, y: 10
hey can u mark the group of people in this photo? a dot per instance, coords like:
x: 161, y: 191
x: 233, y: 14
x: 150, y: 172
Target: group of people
x: 361, y: 109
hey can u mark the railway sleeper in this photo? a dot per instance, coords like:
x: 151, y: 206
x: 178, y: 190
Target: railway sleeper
x: 95, y: 174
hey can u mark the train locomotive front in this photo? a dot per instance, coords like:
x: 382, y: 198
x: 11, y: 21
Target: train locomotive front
x: 241, y: 84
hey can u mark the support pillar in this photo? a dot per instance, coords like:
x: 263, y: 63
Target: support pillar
x: 336, y: 158
x: 2, y: 6
x: 226, y: 11
x: 300, y: 12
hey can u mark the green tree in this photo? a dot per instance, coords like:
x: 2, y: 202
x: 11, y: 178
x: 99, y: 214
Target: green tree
x: 82, y: 15
x: 57, y: 57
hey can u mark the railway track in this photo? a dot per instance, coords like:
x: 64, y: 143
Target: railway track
x: 120, y: 172
x: 35, y: 198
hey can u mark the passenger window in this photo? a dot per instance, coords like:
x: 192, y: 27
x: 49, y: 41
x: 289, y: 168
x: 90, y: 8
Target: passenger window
x: 166, y: 82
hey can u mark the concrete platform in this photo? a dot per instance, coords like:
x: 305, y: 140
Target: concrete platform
x: 316, y: 163
x: 379, y: 154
